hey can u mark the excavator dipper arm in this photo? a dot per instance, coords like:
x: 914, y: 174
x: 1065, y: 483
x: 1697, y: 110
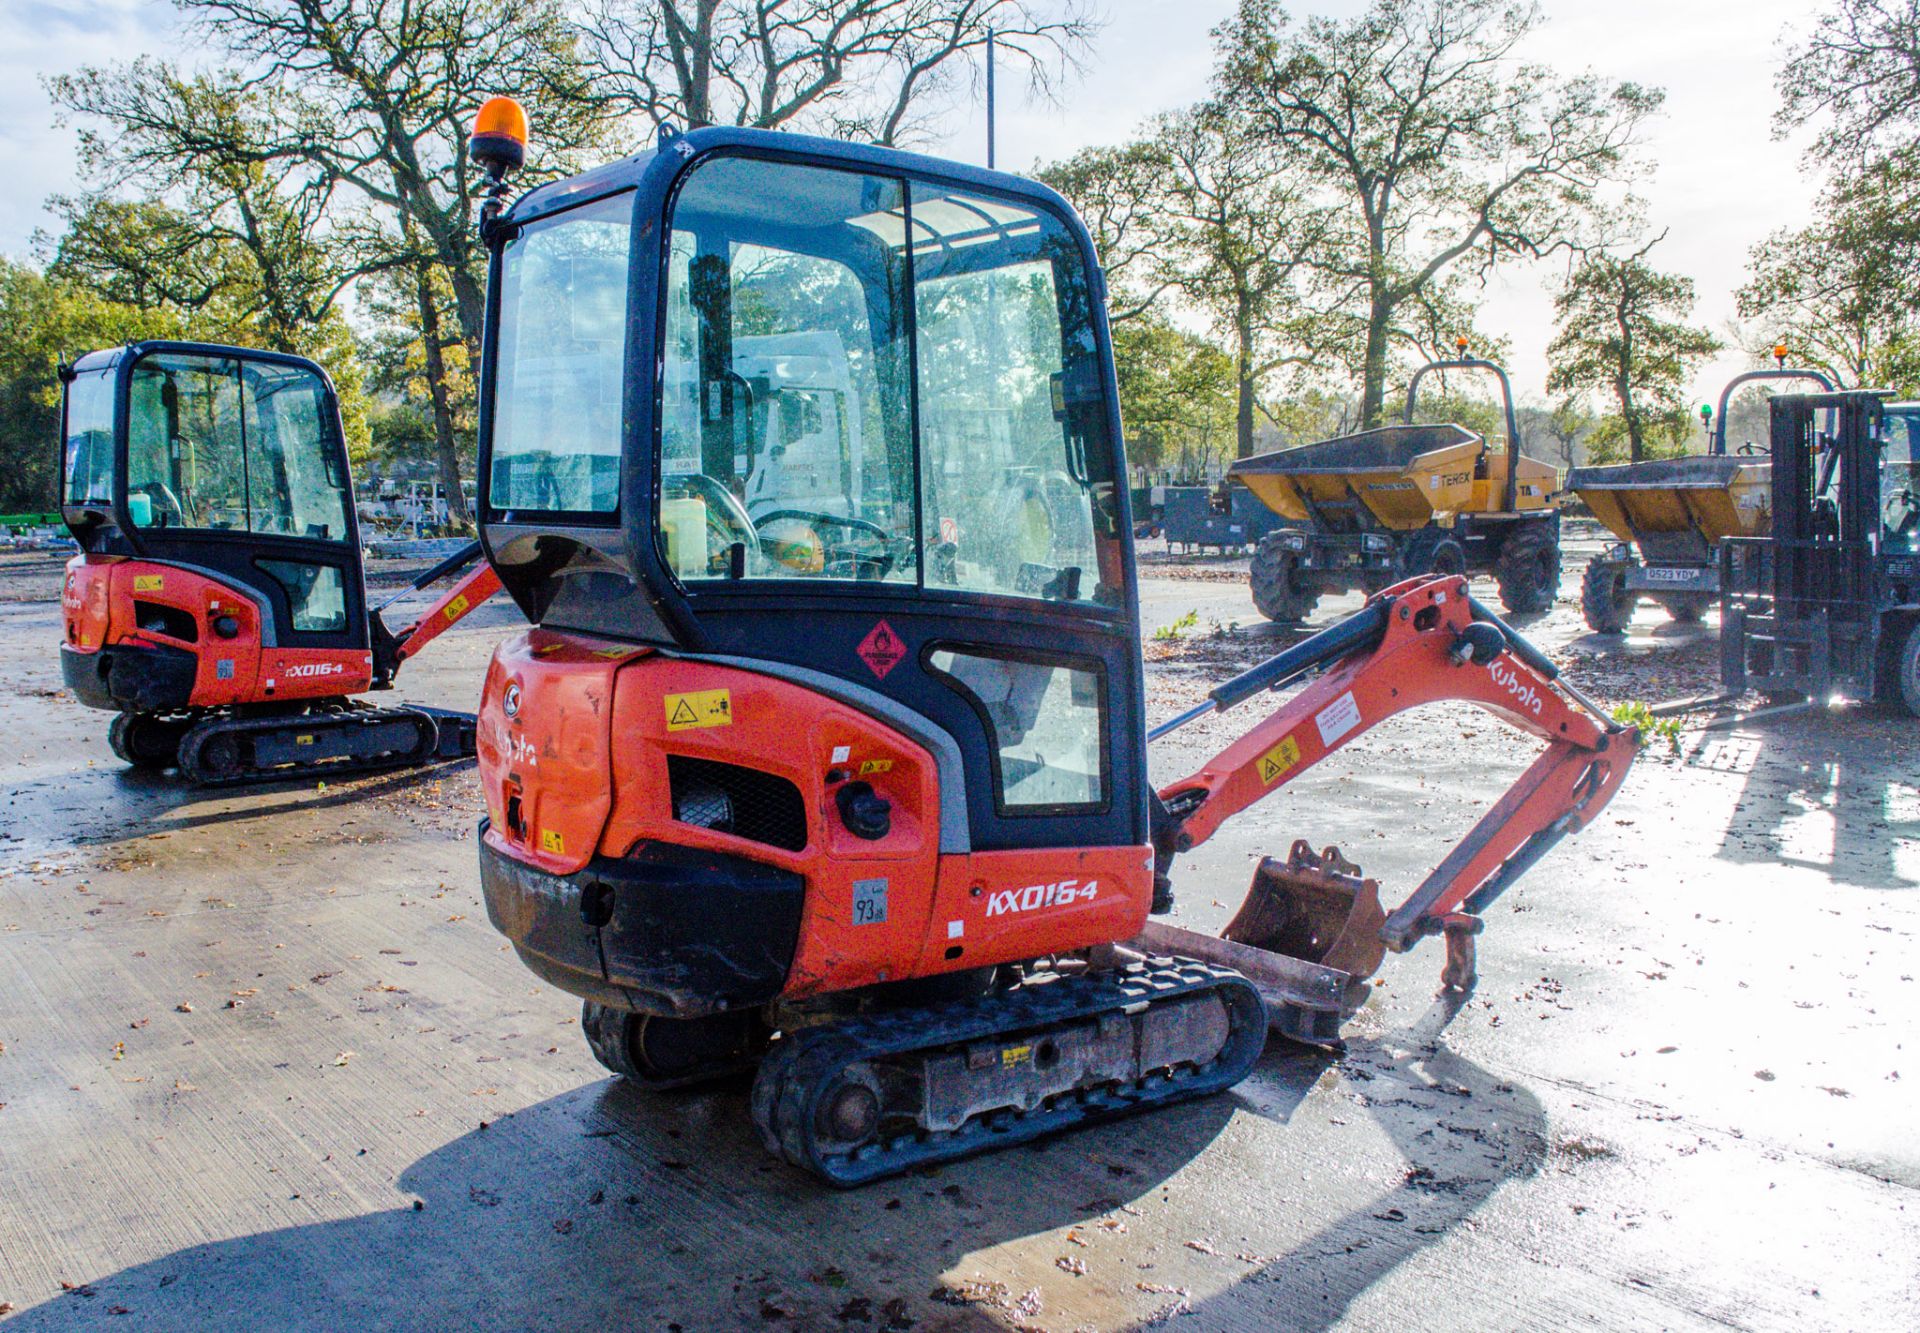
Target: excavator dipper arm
x: 1422, y: 641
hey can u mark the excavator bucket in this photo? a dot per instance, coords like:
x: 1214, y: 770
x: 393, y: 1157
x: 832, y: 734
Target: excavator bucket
x: 1317, y: 908
x: 1307, y: 936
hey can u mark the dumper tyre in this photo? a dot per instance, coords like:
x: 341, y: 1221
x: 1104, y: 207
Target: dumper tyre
x: 1688, y: 608
x: 1605, y: 600
x: 1433, y: 550
x: 1906, y: 668
x: 1279, y: 592
x: 1528, y: 569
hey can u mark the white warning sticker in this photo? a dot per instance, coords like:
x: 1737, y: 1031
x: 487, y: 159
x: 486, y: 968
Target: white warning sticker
x: 1337, y: 718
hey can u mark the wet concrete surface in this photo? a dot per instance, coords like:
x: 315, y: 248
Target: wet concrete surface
x: 266, y: 1065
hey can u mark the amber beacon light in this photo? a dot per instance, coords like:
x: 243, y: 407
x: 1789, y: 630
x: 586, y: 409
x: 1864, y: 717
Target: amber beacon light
x: 499, y: 139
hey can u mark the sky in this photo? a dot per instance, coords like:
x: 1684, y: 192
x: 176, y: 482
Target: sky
x: 1720, y: 184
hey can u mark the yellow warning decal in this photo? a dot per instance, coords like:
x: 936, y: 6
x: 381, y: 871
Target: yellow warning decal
x: 1011, y: 1057
x: 551, y: 841
x: 149, y: 582
x: 875, y: 766
x: 701, y: 708
x: 456, y: 608
x: 1277, y: 762
x: 303, y: 740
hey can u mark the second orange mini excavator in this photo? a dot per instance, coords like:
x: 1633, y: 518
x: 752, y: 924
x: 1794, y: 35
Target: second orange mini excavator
x: 826, y: 756
x: 218, y: 604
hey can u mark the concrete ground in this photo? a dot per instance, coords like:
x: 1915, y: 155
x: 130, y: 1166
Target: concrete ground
x: 264, y: 1065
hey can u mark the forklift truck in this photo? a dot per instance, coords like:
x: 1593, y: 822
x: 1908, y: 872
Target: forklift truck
x: 1829, y: 602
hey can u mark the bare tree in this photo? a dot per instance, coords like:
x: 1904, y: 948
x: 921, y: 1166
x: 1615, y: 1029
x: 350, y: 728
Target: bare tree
x: 1443, y: 148
x: 1240, y: 226
x: 214, y: 225
x: 374, y: 98
x: 853, y: 68
x: 1121, y: 195
x: 1858, y: 70
x: 1622, y: 332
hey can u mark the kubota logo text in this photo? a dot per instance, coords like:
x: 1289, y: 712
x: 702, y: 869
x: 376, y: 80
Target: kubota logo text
x: 1524, y: 695
x: 315, y: 669
x: 1036, y: 896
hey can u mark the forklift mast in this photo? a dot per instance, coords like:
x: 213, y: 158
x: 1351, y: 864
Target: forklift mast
x: 1830, y: 601
x: 1826, y: 503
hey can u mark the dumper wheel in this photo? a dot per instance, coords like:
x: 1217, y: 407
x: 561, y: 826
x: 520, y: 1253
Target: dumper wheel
x: 1906, y: 672
x: 1528, y: 570
x: 1687, y: 607
x: 1433, y: 550
x: 1604, y: 599
x: 1279, y: 592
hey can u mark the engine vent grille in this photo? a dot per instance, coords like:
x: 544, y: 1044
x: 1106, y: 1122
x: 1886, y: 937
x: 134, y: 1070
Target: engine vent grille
x: 726, y: 798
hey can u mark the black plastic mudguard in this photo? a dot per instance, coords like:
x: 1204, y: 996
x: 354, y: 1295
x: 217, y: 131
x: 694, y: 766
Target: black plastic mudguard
x: 129, y: 678
x: 667, y: 931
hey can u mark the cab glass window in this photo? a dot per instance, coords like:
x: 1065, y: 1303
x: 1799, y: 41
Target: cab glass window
x: 228, y: 444
x: 296, y: 476
x: 870, y: 380
x: 316, y: 594
x: 1900, y: 477
x: 561, y: 332
x: 785, y: 437
x: 89, y: 439
x: 1043, y: 721
x: 1011, y: 400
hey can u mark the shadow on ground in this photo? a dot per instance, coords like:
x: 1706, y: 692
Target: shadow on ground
x: 605, y: 1207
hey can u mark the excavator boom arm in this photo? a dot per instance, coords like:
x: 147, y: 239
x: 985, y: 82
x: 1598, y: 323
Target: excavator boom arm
x: 453, y: 606
x: 1422, y: 641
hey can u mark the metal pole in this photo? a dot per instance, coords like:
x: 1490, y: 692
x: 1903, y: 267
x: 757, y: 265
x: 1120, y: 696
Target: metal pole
x: 989, y: 99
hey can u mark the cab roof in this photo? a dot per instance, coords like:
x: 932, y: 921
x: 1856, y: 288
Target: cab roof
x: 655, y: 169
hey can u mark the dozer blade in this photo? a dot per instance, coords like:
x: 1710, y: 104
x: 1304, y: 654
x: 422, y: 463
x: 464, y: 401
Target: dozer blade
x: 1307, y: 937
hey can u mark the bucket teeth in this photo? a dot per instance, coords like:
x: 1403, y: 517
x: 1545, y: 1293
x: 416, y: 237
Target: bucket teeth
x: 1317, y: 907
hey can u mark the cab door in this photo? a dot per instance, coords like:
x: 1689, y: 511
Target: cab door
x: 887, y: 452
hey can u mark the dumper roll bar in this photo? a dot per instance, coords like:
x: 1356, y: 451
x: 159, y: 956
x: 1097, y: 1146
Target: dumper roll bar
x: 1719, y: 445
x: 1512, y: 500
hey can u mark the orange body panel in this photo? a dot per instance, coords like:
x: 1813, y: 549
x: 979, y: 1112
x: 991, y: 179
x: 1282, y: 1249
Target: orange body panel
x: 546, y: 765
x: 99, y: 604
x: 584, y: 765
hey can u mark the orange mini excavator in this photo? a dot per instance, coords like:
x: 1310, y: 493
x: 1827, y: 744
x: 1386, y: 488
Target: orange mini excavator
x: 827, y: 753
x: 218, y: 605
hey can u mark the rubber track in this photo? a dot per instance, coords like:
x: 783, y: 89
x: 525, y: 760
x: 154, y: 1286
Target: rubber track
x: 193, y: 744
x: 800, y: 1067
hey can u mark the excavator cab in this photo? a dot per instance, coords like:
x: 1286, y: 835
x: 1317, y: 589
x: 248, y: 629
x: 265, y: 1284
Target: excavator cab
x: 848, y: 415
x: 826, y: 753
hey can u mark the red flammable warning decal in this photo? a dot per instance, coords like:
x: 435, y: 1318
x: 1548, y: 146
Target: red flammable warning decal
x: 881, y: 649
